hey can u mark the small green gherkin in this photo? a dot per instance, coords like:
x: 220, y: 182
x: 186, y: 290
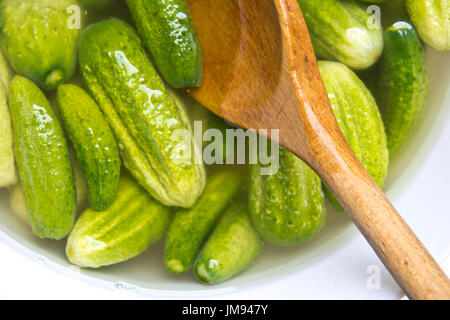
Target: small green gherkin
x: 169, y: 35
x: 432, y: 20
x: 191, y: 226
x: 17, y: 197
x: 287, y: 207
x: 43, y: 162
x: 341, y: 31
x: 359, y: 119
x: 39, y: 38
x: 93, y: 142
x: 232, y: 247
x: 403, y: 86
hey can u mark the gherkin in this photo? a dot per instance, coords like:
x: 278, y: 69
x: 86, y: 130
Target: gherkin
x: 232, y: 247
x: 93, y: 142
x: 432, y: 20
x: 191, y: 226
x: 341, y: 31
x: 359, y: 119
x: 151, y: 126
x: 403, y: 85
x: 169, y: 35
x: 287, y: 207
x: 43, y: 162
x: 132, y: 222
x: 39, y: 38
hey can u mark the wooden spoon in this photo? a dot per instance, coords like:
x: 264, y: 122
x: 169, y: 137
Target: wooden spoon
x: 261, y: 73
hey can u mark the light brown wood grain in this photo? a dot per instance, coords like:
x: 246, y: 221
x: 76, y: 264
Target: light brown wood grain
x: 261, y: 73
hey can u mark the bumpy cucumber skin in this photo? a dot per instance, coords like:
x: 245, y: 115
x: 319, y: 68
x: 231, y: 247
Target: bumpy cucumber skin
x: 339, y: 32
x: 36, y: 38
x: 169, y: 35
x: 143, y: 116
x: 359, y: 119
x: 403, y: 85
x: 231, y: 248
x: 288, y: 207
x: 432, y: 20
x: 43, y: 161
x: 7, y: 164
x: 17, y: 197
x: 132, y: 222
x: 190, y: 227
x: 94, y: 144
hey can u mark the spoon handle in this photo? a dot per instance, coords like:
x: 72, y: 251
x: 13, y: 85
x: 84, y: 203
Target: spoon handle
x: 394, y: 242
x: 325, y: 149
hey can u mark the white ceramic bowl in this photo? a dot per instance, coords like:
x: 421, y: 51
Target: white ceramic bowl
x: 148, y: 275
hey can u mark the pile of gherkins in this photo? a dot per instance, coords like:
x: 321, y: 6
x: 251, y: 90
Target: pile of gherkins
x: 88, y: 112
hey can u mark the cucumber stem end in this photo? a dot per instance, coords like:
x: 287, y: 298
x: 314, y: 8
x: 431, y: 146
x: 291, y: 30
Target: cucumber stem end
x: 53, y: 79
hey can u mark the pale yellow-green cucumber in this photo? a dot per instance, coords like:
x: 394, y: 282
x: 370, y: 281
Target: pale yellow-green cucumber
x: 153, y: 132
x: 132, y: 222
